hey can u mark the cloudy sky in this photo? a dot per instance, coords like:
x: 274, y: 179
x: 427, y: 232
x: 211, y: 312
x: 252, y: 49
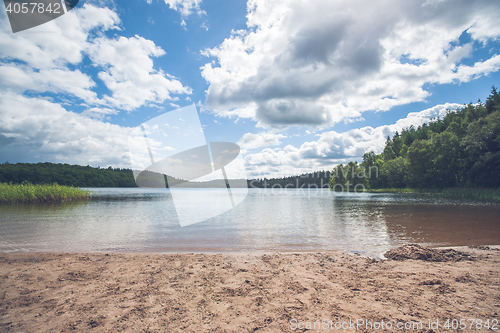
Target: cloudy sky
x: 299, y: 85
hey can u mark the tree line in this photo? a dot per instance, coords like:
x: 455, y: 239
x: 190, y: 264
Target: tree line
x: 65, y: 174
x: 319, y: 179
x: 87, y: 176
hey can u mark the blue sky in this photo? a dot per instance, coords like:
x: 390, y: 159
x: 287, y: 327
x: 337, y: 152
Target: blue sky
x: 299, y: 85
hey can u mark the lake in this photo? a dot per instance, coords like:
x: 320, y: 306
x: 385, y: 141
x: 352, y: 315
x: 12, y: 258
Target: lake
x: 146, y: 220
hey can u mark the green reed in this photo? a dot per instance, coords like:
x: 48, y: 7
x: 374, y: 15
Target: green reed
x: 481, y: 194
x: 30, y: 193
x: 394, y: 190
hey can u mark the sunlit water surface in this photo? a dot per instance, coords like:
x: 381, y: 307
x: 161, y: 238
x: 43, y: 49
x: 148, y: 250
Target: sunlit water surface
x: 145, y: 220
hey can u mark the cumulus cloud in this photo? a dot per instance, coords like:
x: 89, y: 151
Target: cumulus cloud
x: 185, y: 7
x: 318, y: 63
x: 56, y: 43
x: 252, y: 141
x: 38, y: 60
x: 20, y: 78
x: 43, y: 79
x: 42, y: 61
x: 34, y: 129
x: 129, y: 72
x: 99, y: 113
x: 332, y: 147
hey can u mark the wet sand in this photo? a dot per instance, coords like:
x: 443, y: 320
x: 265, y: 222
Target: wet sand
x: 248, y: 292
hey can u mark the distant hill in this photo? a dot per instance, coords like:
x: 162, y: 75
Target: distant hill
x: 319, y: 179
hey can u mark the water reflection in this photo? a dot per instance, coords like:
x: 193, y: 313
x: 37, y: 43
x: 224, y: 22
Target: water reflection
x: 451, y: 224
x: 145, y: 220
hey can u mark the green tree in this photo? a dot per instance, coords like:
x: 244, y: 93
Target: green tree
x: 349, y: 177
x: 481, y: 152
x: 394, y: 173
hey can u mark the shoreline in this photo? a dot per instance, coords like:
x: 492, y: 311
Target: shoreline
x: 241, y: 292
x: 466, y: 248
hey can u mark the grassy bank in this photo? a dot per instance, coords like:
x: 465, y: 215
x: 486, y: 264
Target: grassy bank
x: 394, y: 190
x: 29, y: 193
x: 481, y: 194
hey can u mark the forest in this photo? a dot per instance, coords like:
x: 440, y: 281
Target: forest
x: 65, y: 174
x: 319, y: 179
x: 460, y: 150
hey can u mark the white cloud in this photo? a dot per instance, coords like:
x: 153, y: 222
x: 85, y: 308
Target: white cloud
x: 57, y: 43
x: 34, y: 125
x: 20, y: 78
x: 332, y: 147
x: 185, y: 7
x: 44, y: 53
x: 129, y: 72
x: 99, y: 113
x: 318, y: 63
x: 43, y: 60
x: 251, y: 140
x: 53, y: 134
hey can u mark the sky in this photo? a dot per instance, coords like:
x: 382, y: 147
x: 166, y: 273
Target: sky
x: 299, y: 85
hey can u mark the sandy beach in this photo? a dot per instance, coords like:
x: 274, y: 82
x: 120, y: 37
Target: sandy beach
x: 251, y: 292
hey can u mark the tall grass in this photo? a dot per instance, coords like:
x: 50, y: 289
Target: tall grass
x: 29, y: 193
x: 394, y: 190
x: 482, y: 194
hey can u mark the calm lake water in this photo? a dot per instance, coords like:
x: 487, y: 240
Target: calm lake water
x: 145, y: 220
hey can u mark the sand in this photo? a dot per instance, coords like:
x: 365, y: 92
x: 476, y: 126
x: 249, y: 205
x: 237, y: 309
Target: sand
x: 249, y: 292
